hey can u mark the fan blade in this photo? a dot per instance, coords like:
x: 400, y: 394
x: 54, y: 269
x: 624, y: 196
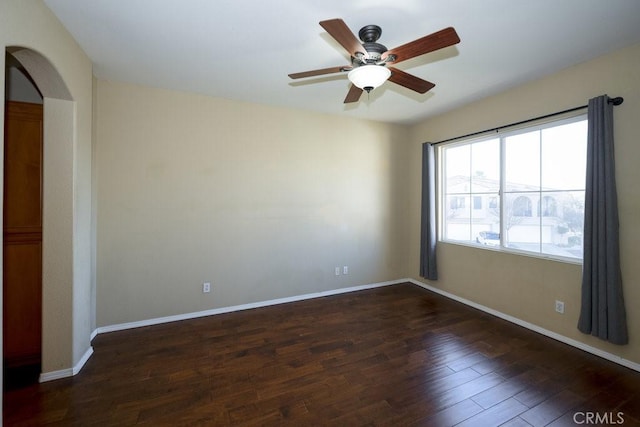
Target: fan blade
x: 409, y: 81
x: 426, y: 44
x: 320, y: 72
x: 353, y: 95
x: 343, y: 35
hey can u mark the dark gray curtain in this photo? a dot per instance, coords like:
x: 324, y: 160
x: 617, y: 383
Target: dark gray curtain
x: 428, y: 268
x: 602, y: 311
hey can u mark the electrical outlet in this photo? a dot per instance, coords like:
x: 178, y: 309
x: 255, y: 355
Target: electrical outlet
x: 337, y: 271
x: 206, y: 287
x: 345, y: 269
x: 560, y: 307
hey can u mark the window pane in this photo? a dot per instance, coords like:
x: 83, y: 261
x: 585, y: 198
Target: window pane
x: 485, y: 222
x: 521, y: 223
x: 485, y: 166
x: 564, y: 156
x: 457, y: 164
x: 458, y: 219
x: 562, y: 232
x: 522, y: 162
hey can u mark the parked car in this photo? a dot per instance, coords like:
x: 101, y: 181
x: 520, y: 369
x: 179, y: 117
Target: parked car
x: 489, y: 238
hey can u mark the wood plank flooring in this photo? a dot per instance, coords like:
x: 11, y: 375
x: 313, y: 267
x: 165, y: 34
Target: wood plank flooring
x: 392, y: 356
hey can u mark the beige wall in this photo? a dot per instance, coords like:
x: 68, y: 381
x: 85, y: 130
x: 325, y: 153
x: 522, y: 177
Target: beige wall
x: 59, y: 66
x: 526, y: 287
x: 262, y: 202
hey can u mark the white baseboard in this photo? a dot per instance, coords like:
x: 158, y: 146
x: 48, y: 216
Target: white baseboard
x: 186, y: 316
x: 589, y: 349
x: 49, y: 376
x: 64, y: 373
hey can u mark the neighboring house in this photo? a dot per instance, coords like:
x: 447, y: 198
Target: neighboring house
x: 531, y: 215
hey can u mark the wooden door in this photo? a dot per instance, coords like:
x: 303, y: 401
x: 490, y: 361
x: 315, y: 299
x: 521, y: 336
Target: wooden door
x: 22, y: 239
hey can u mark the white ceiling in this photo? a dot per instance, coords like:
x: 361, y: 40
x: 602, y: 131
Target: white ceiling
x: 244, y: 49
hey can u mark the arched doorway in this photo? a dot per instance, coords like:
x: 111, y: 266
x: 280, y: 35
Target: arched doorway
x: 57, y: 206
x: 22, y: 227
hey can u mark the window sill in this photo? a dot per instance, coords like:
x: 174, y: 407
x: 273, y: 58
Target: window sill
x: 505, y: 250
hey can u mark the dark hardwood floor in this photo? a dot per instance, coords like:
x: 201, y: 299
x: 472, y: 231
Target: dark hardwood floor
x: 392, y: 356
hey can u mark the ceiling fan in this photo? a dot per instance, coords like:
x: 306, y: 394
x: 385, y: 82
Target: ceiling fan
x: 370, y: 60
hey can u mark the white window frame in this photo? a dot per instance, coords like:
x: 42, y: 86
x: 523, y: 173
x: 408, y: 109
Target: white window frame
x: 502, y: 135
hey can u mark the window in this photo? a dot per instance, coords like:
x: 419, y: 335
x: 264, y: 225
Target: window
x: 456, y: 203
x: 525, y: 189
x: 522, y: 206
x: 548, y: 207
x: 477, y: 202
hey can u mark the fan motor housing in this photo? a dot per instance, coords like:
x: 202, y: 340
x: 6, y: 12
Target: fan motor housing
x: 369, y: 35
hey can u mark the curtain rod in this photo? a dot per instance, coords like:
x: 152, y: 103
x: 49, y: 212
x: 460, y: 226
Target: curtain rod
x: 615, y: 101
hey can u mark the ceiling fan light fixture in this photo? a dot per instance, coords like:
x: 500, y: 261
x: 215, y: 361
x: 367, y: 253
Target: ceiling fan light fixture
x: 369, y: 77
